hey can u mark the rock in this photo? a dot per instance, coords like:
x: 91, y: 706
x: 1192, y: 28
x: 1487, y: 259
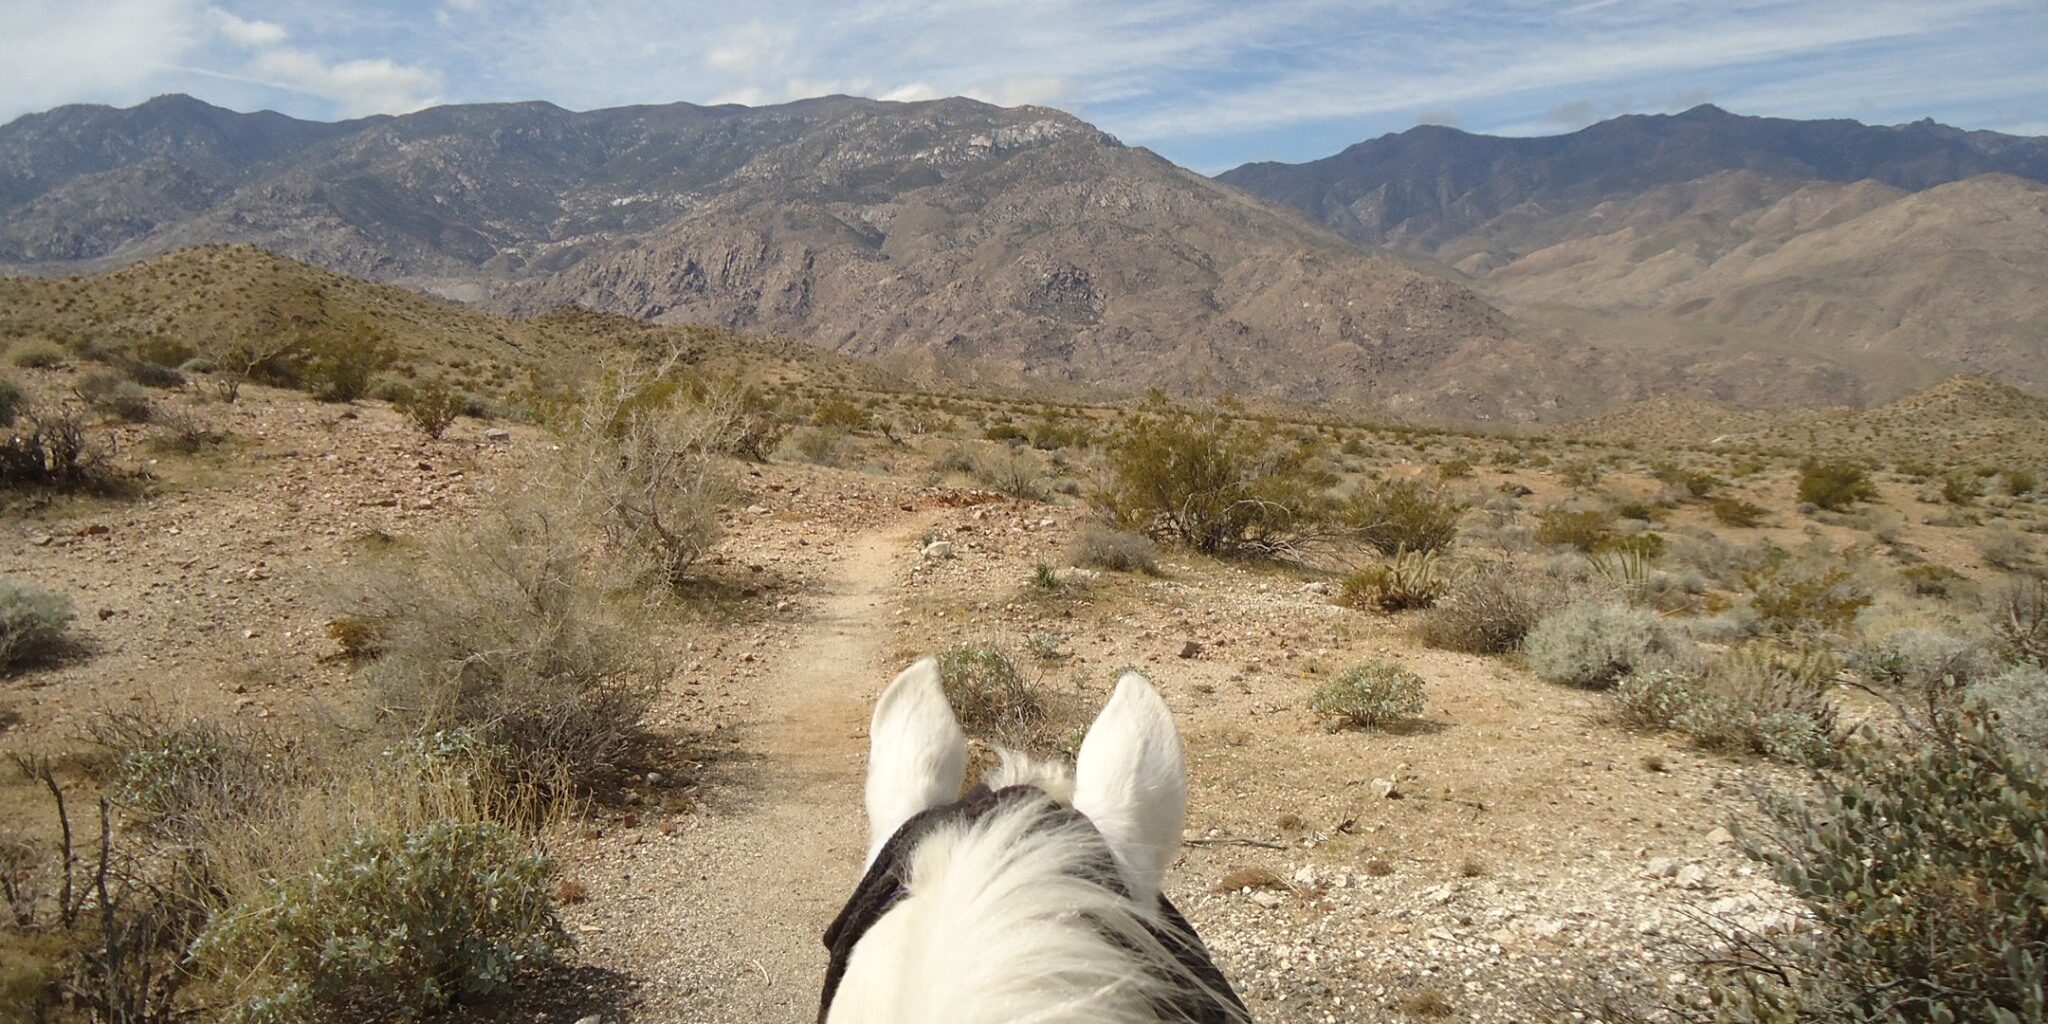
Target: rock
x: 498, y: 435
x: 1384, y: 789
x: 592, y: 1019
x: 1721, y: 835
x: 1267, y: 898
x: 1191, y: 649
x: 1663, y: 867
x: 757, y: 510
x: 936, y: 550
x: 1691, y: 876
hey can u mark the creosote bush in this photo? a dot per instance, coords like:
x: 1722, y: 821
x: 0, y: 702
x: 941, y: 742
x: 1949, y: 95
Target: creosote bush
x: 390, y: 927
x: 12, y: 402
x: 432, y: 409
x: 1403, y: 515
x: 1805, y: 593
x: 1370, y: 696
x: 54, y: 451
x: 115, y: 395
x: 1834, y: 485
x: 1592, y: 645
x: 1209, y: 481
x: 35, y: 625
x: 1585, y: 530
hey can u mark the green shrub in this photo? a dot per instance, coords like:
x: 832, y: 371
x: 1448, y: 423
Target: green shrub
x: 1403, y: 515
x: 1593, y: 645
x: 392, y: 927
x: 1210, y: 482
x: 838, y: 413
x: 35, y: 625
x: 1737, y: 512
x: 1370, y: 696
x: 1580, y: 475
x: 12, y: 402
x: 1104, y: 547
x: 1805, y: 594
x: 1834, y: 485
x: 38, y: 355
x: 2021, y: 481
x: 340, y: 368
x: 989, y: 695
x: 1585, y: 530
x: 1407, y: 581
x: 432, y: 409
x: 1923, y: 866
x: 114, y: 395
x: 1487, y: 610
x: 1695, y: 483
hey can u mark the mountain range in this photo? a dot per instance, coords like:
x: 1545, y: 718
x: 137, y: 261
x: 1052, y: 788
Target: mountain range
x: 1431, y: 274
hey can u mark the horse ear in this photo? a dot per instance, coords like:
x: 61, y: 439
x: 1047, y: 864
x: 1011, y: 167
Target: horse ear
x: 1131, y: 781
x: 917, y: 755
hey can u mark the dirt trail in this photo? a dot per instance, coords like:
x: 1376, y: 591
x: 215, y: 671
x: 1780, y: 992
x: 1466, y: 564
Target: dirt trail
x: 724, y: 926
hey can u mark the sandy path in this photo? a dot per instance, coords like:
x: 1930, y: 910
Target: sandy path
x: 722, y: 923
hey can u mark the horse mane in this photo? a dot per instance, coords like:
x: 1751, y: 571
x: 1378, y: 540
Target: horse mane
x: 1015, y: 917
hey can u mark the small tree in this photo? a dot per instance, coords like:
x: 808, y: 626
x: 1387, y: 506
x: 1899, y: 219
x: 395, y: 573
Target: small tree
x: 432, y: 409
x: 1404, y: 515
x: 236, y: 360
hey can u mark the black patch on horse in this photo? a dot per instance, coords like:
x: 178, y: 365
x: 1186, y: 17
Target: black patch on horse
x: 1212, y: 1002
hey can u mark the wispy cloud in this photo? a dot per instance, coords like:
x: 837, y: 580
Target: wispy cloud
x: 1209, y: 82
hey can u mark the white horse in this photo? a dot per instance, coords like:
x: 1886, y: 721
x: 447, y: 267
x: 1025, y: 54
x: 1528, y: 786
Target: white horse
x: 1034, y: 898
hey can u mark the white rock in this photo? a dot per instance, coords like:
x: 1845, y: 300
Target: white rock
x: 1266, y: 898
x: 936, y: 550
x: 1305, y: 876
x: 1691, y: 876
x: 498, y: 435
x: 1383, y: 788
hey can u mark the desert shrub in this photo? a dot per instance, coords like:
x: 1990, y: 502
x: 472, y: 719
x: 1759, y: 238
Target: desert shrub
x: 1754, y: 700
x: 839, y: 413
x: 359, y: 639
x: 1580, y: 475
x: 114, y: 395
x: 1920, y: 656
x: 176, y: 429
x: 1932, y: 579
x: 54, y: 451
x: 2020, y: 618
x: 1593, y: 645
x: 2006, y: 549
x: 1806, y: 593
x: 152, y: 375
x: 1695, y: 483
x: 1961, y: 488
x: 432, y: 408
x: 1370, y: 696
x: 274, y: 357
x: 390, y: 927
x: 12, y: 402
x: 1922, y: 864
x: 1210, y: 482
x: 1104, y: 547
x: 38, y: 355
x: 1834, y: 485
x: 819, y: 446
x: 2018, y: 698
x: 167, y: 353
x: 35, y: 625
x: 989, y: 695
x: 953, y: 459
x: 2021, y: 481
x: 1458, y: 468
x: 1737, y: 512
x: 1585, y: 530
x: 1407, y: 581
x: 505, y: 628
x: 1487, y: 610
x: 1403, y: 515
x: 187, y: 779
x: 1013, y: 472
x: 642, y: 465
x: 340, y: 367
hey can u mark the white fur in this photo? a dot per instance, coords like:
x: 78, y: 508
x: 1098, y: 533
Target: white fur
x: 1131, y: 781
x: 1000, y: 924
x: 917, y: 755
x: 1054, y: 778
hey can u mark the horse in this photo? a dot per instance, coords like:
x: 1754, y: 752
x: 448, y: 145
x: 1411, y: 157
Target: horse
x: 1034, y: 898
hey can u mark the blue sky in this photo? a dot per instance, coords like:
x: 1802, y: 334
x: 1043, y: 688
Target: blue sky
x: 1208, y: 83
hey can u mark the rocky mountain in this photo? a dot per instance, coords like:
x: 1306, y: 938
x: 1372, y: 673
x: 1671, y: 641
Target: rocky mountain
x: 1021, y: 238
x: 1902, y: 253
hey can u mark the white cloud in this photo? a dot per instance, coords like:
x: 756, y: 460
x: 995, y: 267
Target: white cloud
x: 63, y: 51
x: 362, y: 86
x: 248, y: 32
x: 751, y: 47
x: 911, y: 93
